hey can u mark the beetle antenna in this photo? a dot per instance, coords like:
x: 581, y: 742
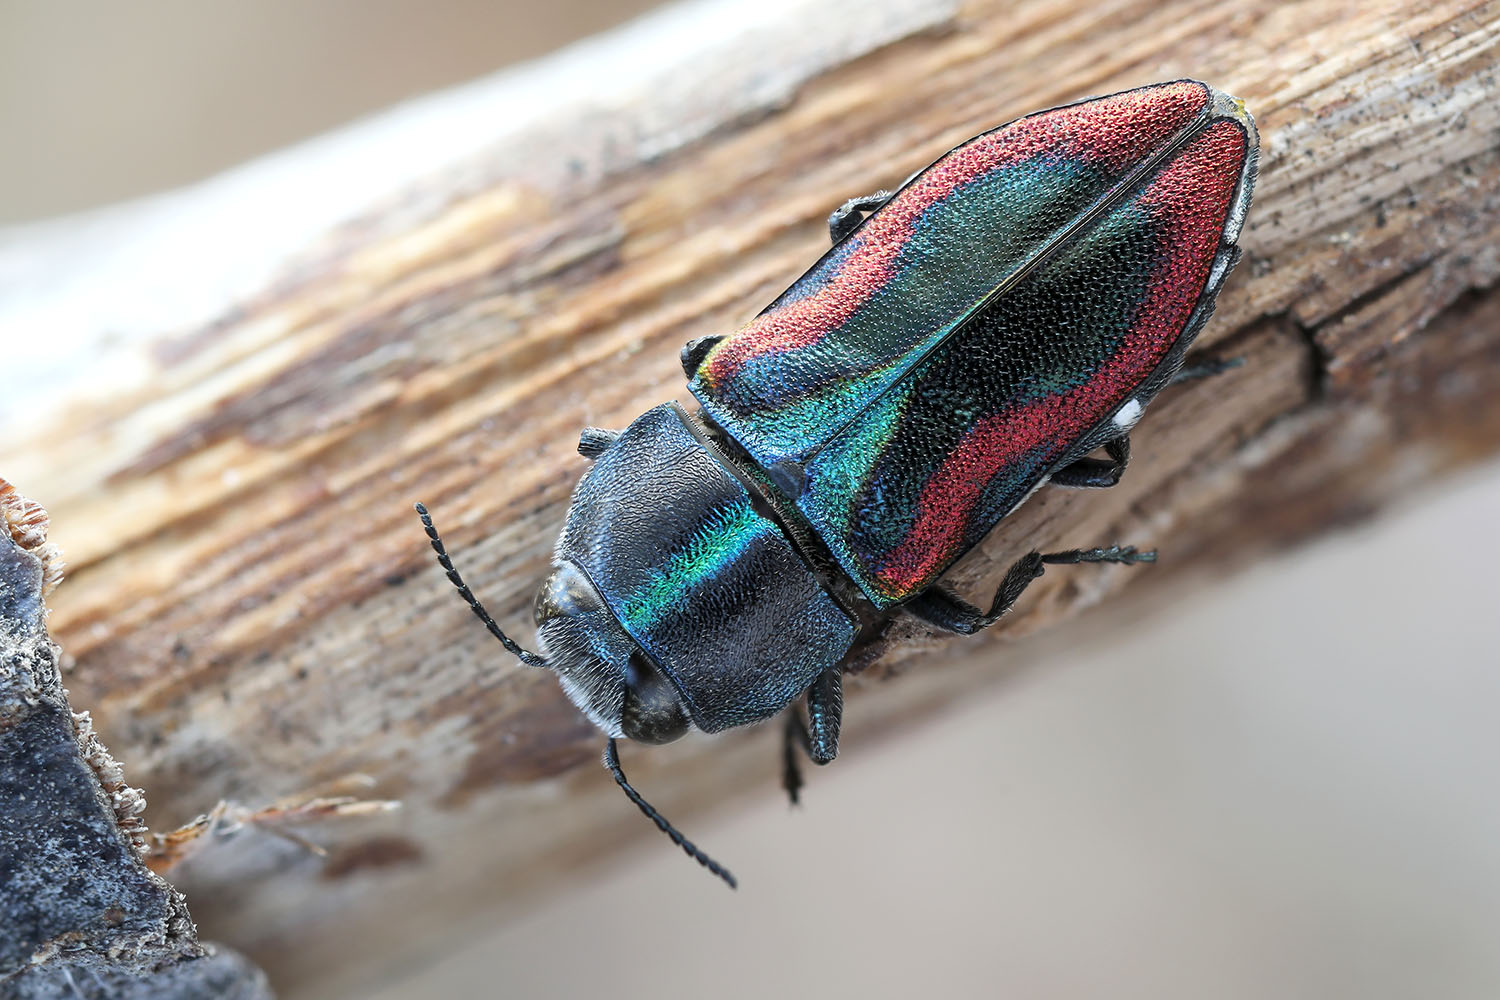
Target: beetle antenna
x: 612, y: 761
x: 526, y: 656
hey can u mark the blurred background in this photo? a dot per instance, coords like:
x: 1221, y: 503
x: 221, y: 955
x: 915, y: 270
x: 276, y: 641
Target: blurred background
x: 103, y: 102
x: 1282, y: 786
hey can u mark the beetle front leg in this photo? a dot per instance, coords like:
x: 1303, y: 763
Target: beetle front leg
x: 847, y: 217
x: 819, y: 736
x: 1094, y: 472
x: 941, y: 607
x: 595, y: 441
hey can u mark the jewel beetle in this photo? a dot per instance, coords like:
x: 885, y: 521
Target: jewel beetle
x: 970, y: 337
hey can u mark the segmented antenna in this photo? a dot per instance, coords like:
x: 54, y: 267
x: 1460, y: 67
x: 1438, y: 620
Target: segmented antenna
x: 612, y: 761
x: 526, y: 656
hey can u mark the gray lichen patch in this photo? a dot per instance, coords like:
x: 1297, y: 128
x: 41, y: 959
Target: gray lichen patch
x: 71, y: 880
x: 222, y: 974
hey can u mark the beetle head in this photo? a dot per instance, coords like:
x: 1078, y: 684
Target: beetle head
x: 600, y: 667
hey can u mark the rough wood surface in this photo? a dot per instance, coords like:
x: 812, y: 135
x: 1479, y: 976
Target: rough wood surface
x: 229, y: 399
x: 77, y: 902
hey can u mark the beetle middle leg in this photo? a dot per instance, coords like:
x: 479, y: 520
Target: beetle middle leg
x: 941, y: 607
x: 818, y: 737
x: 847, y: 217
x: 1096, y: 472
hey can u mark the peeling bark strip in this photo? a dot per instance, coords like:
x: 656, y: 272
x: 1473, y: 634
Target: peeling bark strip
x: 252, y: 607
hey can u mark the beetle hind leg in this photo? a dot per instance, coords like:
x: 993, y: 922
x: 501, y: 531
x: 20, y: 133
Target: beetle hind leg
x: 848, y: 216
x: 944, y: 609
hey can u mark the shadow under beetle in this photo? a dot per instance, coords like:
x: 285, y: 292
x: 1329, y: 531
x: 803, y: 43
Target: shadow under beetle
x: 969, y: 338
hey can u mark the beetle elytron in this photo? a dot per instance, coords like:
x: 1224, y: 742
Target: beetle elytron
x: 970, y: 337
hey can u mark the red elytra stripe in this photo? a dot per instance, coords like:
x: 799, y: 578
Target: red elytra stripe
x: 1112, y: 130
x: 1192, y: 196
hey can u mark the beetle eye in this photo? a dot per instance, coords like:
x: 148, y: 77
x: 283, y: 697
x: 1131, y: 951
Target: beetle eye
x: 652, y: 712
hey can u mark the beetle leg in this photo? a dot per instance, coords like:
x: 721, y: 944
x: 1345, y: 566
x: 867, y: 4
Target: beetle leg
x: 793, y: 743
x: 1205, y: 369
x: 941, y: 607
x: 825, y: 713
x: 1095, y: 472
x: 595, y: 441
x: 819, y: 736
x: 847, y: 217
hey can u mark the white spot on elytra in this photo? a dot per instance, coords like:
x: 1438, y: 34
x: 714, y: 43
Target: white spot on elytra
x: 1127, y: 415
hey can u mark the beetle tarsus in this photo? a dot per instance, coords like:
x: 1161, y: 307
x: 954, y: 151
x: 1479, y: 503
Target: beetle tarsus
x: 848, y: 216
x: 526, y: 656
x: 1127, y: 554
x: 612, y: 763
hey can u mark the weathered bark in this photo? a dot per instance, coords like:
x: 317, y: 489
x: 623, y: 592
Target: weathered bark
x: 418, y: 311
x: 81, y: 916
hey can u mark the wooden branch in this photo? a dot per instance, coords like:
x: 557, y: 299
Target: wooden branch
x: 430, y: 306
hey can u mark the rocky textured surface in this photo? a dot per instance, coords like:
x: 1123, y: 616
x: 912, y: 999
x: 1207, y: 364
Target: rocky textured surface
x: 80, y: 914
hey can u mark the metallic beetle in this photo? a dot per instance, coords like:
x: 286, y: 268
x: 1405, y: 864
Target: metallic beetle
x: 969, y: 338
